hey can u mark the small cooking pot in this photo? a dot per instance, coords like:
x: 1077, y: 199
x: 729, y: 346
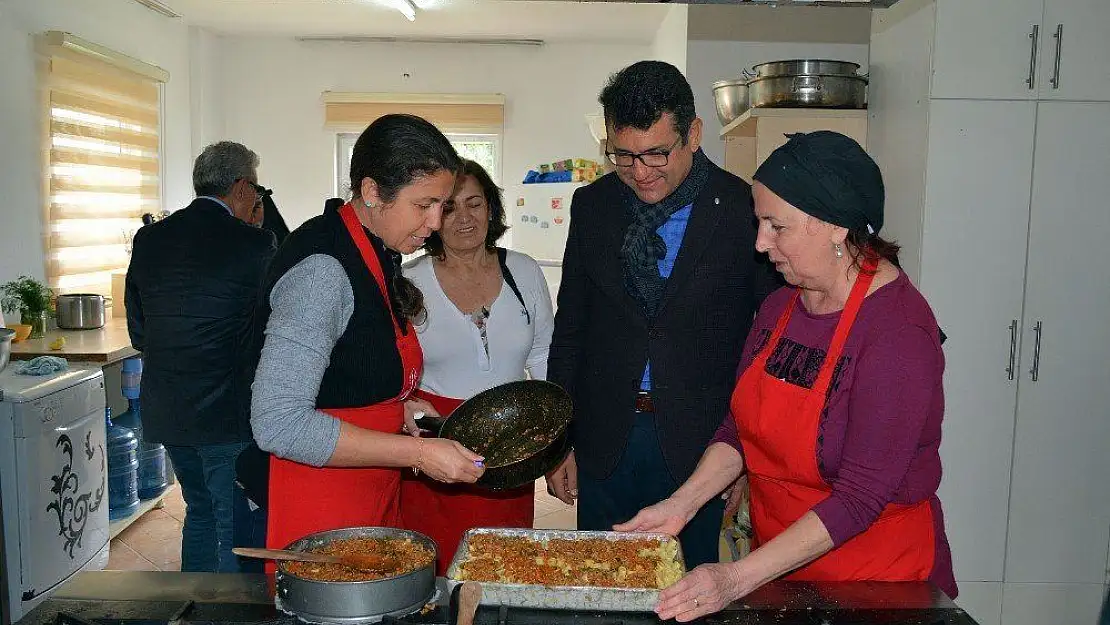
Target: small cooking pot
x: 80, y: 311
x: 520, y: 428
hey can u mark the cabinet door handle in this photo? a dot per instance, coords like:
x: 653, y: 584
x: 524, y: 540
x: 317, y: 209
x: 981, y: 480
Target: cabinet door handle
x: 1035, y: 371
x: 1013, y: 349
x: 1032, y: 79
x: 1059, y: 35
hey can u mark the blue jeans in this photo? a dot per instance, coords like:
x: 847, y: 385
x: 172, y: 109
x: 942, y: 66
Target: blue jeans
x: 207, y: 477
x: 640, y: 480
x: 250, y: 530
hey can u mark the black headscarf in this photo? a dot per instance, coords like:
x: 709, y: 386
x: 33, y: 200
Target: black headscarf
x: 827, y: 175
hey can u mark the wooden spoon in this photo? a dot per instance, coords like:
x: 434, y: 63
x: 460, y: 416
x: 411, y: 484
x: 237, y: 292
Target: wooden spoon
x: 469, y: 596
x: 361, y: 561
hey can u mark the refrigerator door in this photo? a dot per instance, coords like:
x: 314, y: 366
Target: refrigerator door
x: 539, y: 220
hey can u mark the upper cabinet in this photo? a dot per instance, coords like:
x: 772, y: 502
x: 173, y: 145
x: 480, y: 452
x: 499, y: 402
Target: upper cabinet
x: 987, y: 49
x: 1076, y: 50
x: 1022, y: 50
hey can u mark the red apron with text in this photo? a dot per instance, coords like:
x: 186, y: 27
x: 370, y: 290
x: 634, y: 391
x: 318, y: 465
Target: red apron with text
x: 444, y: 512
x: 306, y: 499
x: 779, y: 424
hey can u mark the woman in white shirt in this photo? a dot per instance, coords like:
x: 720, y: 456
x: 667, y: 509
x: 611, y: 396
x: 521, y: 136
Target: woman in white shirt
x: 489, y: 321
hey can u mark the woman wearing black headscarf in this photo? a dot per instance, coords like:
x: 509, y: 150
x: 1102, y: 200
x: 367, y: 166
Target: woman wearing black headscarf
x: 836, y: 414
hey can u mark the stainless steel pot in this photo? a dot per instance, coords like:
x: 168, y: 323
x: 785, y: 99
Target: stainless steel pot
x: 354, y: 603
x: 806, y: 67
x: 731, y: 98
x: 6, y: 335
x: 80, y: 311
x: 812, y: 91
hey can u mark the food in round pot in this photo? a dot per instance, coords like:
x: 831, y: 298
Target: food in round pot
x: 400, y: 556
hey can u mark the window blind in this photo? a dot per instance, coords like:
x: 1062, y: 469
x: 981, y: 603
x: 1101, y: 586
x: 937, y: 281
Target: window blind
x: 103, y: 141
x: 455, y: 113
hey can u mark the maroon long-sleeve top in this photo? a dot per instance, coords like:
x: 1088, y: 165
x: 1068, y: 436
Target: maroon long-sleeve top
x: 879, y: 437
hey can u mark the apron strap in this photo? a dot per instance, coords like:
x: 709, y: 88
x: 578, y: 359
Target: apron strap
x: 844, y: 326
x: 369, y: 256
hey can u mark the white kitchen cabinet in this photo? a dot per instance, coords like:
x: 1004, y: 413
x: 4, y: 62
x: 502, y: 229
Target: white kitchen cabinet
x: 1051, y: 604
x: 1060, y: 498
x: 985, y: 49
x: 1075, y: 50
x: 972, y: 274
x: 1002, y: 205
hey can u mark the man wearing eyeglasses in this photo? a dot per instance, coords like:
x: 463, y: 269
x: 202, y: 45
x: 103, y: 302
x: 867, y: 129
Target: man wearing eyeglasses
x: 192, y: 286
x: 659, y: 287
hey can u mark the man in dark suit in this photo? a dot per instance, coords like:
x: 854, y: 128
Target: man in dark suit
x: 660, y: 283
x: 192, y: 286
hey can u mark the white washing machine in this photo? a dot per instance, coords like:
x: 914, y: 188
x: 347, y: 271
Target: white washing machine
x: 53, y: 483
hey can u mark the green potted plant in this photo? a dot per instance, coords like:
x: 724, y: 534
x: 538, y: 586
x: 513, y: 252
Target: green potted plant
x: 33, y: 299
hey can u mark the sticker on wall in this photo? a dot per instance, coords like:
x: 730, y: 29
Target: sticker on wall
x: 520, y: 201
x: 544, y: 224
x: 558, y: 221
x: 524, y: 219
x: 556, y: 203
x: 533, y: 219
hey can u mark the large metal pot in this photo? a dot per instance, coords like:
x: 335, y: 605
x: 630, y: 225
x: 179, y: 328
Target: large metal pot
x: 354, y: 603
x: 814, y: 91
x: 6, y: 336
x: 80, y: 311
x: 731, y: 98
x: 806, y: 67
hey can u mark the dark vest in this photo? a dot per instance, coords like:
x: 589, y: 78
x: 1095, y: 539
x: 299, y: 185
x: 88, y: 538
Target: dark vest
x: 365, y: 366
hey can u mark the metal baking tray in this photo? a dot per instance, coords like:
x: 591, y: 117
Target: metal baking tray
x: 561, y: 597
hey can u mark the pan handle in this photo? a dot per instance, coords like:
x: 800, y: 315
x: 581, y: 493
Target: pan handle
x: 431, y: 425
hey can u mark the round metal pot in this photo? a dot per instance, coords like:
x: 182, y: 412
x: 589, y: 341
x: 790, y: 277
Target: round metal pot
x: 354, y: 603
x: 731, y: 98
x: 806, y: 67
x: 6, y: 336
x: 848, y: 92
x: 80, y: 311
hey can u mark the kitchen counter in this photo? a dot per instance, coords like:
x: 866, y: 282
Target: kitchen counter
x: 103, y: 346
x: 123, y: 596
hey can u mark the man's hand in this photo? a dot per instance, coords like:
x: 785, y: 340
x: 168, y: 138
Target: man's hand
x: 562, y: 483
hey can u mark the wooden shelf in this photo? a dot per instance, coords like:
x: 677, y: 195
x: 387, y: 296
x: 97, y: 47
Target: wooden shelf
x: 115, y: 528
x: 751, y: 138
x: 745, y: 125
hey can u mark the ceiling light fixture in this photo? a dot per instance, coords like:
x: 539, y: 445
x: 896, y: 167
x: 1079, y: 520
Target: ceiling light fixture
x: 407, y: 8
x: 158, y: 7
x: 428, y: 40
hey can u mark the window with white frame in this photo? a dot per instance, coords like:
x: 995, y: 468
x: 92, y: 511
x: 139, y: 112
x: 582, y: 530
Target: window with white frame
x: 484, y: 149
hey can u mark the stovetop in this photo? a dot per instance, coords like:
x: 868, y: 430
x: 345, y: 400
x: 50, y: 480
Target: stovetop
x: 65, y: 612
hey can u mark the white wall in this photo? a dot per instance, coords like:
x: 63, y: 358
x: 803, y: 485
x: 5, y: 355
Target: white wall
x: 118, y: 24
x: 710, y: 61
x: 670, y: 39
x: 206, y: 107
x: 277, y: 82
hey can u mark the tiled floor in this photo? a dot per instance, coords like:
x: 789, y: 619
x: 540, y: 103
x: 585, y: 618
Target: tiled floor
x: 153, y: 542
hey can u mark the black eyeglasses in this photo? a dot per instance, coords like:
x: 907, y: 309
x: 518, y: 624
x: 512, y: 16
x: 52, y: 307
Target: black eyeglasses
x: 260, y: 190
x: 651, y: 158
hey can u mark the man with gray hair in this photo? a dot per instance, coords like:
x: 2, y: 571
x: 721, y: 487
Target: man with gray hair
x: 192, y: 286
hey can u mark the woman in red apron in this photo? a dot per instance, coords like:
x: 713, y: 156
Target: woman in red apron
x: 340, y: 355
x: 489, y: 322
x: 839, y: 444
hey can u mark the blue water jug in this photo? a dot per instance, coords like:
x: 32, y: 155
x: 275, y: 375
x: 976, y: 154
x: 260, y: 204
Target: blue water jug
x: 123, y: 470
x: 153, y: 475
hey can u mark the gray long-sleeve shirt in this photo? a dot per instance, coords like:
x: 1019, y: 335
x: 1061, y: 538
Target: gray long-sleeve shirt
x: 311, y: 306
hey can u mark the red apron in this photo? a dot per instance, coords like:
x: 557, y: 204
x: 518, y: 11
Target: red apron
x: 305, y: 499
x: 778, y: 424
x: 445, y: 511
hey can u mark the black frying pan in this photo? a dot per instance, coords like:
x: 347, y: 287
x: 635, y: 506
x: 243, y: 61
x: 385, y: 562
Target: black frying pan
x: 519, y: 427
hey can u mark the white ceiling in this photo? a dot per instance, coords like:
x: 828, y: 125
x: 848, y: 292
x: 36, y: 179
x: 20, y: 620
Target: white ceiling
x: 550, y: 21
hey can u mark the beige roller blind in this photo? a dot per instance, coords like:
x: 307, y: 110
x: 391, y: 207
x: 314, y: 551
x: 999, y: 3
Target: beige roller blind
x: 456, y: 113
x: 102, y: 141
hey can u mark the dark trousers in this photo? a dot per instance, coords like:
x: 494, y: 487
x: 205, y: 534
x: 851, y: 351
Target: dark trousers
x: 640, y: 480
x: 207, y: 477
